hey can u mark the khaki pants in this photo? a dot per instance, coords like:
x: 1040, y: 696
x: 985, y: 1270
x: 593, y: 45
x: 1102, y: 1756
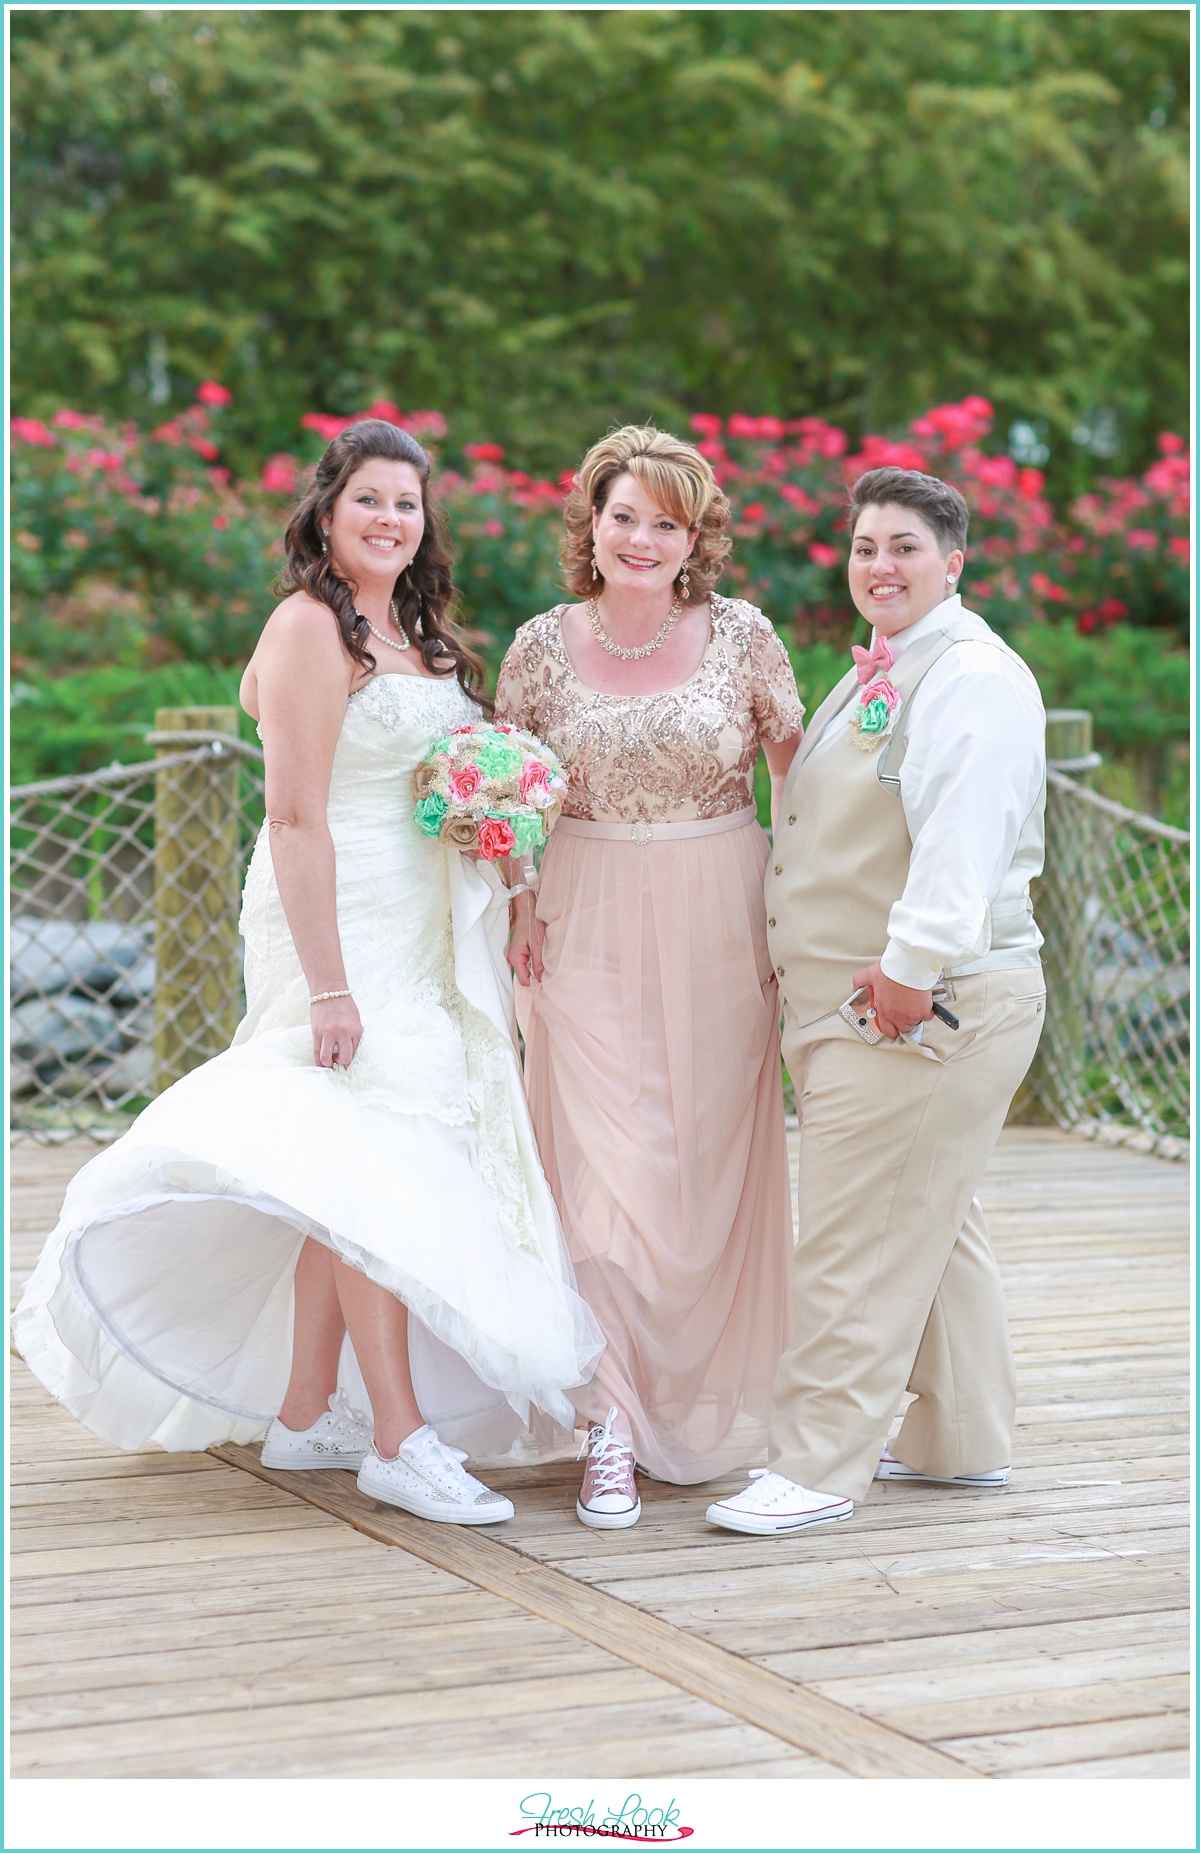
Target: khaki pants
x: 894, y: 1284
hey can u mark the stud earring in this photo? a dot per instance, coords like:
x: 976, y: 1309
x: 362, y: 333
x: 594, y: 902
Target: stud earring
x: 595, y: 564
x: 685, y: 584
x: 949, y: 579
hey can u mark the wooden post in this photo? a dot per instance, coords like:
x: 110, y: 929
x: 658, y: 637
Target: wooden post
x: 197, y: 989
x: 1069, y: 740
x: 1053, y: 1088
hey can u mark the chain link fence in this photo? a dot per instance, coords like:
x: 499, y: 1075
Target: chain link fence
x: 124, y: 956
x: 125, y: 970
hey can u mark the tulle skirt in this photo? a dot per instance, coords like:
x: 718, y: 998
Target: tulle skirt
x: 653, y: 1073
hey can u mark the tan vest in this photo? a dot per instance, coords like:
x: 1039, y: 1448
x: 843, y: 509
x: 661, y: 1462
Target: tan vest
x: 842, y: 851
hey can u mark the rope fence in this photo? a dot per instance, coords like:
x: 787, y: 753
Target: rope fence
x: 125, y: 966
x: 1115, y: 907
x: 125, y: 969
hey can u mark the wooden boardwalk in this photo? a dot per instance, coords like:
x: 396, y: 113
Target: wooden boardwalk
x: 196, y: 1616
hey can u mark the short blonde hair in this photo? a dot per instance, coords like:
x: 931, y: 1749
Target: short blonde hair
x: 678, y: 478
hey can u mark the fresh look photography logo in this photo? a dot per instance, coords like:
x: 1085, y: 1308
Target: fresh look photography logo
x: 633, y: 1819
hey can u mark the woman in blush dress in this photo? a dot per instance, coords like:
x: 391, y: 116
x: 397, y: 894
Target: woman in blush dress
x: 353, y: 1186
x: 652, y: 1038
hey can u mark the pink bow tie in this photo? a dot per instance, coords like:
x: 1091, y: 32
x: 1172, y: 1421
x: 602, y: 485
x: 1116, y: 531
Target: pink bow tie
x: 875, y: 661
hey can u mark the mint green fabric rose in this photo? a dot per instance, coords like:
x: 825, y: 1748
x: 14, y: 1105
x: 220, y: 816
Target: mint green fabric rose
x: 431, y: 814
x: 875, y: 717
x: 527, y: 829
x: 497, y: 759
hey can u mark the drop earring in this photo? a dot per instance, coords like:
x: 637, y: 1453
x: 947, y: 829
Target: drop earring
x: 685, y: 584
x: 595, y: 564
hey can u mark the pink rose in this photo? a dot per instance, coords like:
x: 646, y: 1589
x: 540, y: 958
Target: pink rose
x: 280, y: 474
x: 879, y: 690
x: 495, y: 839
x: 503, y: 727
x: 465, y: 782
x: 469, y: 728
x: 534, y: 777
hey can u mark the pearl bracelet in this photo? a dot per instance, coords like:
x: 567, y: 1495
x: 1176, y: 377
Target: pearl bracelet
x: 324, y: 996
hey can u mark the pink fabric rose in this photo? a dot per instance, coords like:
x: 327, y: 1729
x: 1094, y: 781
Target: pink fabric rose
x: 465, y: 782
x: 880, y: 690
x: 495, y: 839
x: 534, y: 777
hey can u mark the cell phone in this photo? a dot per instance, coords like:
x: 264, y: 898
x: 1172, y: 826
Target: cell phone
x: 859, y: 1013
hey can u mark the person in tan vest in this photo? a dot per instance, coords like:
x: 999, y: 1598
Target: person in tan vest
x: 910, y: 825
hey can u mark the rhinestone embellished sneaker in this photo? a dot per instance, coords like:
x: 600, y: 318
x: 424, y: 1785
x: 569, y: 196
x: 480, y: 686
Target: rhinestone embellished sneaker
x: 339, y: 1438
x: 429, y: 1479
x: 608, y: 1499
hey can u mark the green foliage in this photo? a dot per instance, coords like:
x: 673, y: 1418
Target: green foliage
x: 78, y: 723
x: 1136, y: 683
x: 543, y: 220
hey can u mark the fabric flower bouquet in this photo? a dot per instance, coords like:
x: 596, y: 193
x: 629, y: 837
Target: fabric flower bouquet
x: 489, y: 788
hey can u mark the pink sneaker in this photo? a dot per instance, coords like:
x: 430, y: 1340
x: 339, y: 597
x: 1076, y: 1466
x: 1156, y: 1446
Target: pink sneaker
x: 608, y: 1499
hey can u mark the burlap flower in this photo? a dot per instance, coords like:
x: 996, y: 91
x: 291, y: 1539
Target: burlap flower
x: 425, y: 778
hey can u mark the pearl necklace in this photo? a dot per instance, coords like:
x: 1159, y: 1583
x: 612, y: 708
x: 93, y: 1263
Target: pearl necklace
x: 390, y: 641
x: 615, y: 649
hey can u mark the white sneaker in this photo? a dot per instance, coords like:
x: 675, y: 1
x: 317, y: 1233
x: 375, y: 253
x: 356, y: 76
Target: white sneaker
x: 429, y: 1479
x: 339, y: 1438
x: 773, y: 1505
x: 608, y: 1499
x: 889, y: 1469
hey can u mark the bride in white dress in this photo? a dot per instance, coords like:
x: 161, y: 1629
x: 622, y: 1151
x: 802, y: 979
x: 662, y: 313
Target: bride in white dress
x: 351, y: 1193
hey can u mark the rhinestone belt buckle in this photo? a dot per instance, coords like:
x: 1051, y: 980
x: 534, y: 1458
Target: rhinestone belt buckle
x: 641, y: 833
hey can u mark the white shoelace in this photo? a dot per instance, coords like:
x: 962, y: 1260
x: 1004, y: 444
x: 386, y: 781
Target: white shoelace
x: 771, y: 1495
x: 607, y: 1455
x: 444, y: 1465
x: 348, y: 1422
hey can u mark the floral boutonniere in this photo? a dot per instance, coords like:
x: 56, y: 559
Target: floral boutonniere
x: 873, y: 715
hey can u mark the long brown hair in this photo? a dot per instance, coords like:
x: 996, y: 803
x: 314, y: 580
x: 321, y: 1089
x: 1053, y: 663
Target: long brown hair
x: 423, y: 592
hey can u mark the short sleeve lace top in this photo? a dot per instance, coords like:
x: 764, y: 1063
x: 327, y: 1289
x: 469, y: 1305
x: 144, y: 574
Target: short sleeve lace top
x: 685, y: 753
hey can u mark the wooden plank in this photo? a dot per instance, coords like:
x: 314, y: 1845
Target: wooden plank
x: 1108, y: 1666
x: 1153, y: 1766
x: 1019, y: 1753
x: 760, y: 1697
x: 1130, y: 1698
x: 683, y: 1737
x: 1025, y: 1640
x: 227, y: 1548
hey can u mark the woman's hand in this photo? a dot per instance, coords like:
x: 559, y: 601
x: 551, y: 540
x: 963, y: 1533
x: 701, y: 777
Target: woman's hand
x: 898, y: 1008
x: 526, y: 939
x: 336, y: 1032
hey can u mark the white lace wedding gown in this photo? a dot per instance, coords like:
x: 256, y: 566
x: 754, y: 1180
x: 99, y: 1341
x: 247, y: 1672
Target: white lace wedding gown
x: 160, y: 1312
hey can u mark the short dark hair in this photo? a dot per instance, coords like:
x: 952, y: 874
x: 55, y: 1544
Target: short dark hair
x: 939, y: 503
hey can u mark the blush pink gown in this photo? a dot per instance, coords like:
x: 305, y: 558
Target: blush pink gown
x: 652, y: 1041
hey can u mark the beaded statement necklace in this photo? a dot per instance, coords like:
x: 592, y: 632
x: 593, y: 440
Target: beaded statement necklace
x: 616, y: 649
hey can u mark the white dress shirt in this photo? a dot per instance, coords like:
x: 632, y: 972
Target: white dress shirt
x: 971, y: 776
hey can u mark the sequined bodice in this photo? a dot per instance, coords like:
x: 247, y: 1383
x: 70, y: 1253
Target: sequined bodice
x: 686, y: 752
